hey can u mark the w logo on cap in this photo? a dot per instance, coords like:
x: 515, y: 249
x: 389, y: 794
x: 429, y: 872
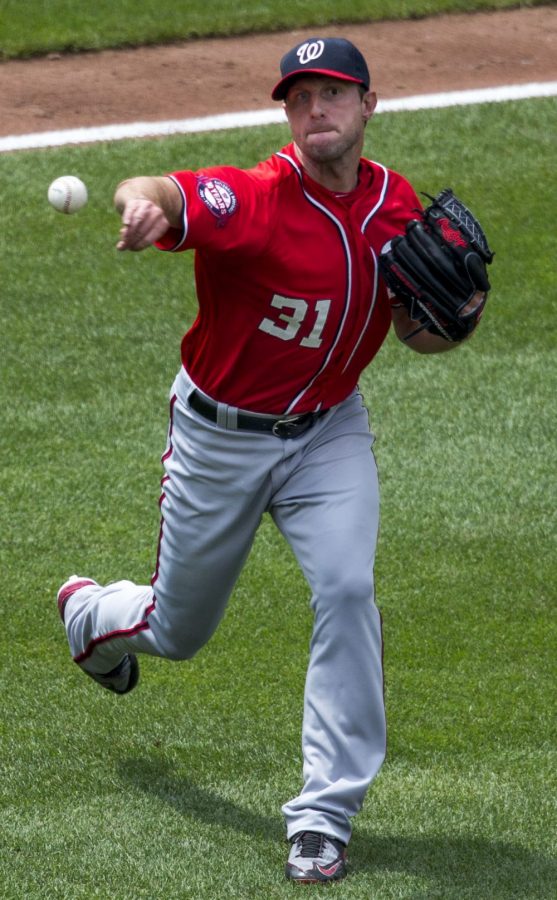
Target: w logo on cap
x: 309, y: 51
x: 335, y: 57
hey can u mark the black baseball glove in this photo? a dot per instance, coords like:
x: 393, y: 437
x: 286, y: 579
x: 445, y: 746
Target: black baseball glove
x: 437, y: 266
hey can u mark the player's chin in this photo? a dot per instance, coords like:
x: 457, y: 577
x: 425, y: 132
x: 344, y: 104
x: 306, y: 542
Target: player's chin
x: 329, y: 146
x: 324, y: 147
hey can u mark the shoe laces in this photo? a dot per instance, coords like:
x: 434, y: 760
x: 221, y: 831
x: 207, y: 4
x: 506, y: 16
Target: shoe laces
x: 311, y: 844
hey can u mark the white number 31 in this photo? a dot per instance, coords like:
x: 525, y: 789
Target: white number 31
x: 290, y: 320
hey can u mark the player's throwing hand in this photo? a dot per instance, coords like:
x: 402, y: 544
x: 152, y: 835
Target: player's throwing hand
x: 149, y: 207
x: 143, y: 223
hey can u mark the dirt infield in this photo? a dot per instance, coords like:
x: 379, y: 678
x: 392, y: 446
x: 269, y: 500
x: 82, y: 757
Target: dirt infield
x: 232, y: 74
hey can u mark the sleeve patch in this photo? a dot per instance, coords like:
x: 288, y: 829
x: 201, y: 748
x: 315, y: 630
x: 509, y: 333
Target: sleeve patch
x: 218, y: 197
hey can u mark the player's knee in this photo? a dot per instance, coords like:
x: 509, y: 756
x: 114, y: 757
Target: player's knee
x: 181, y: 644
x: 356, y: 588
x: 350, y: 588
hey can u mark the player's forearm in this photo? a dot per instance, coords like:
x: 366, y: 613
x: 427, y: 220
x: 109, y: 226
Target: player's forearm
x: 160, y: 191
x: 423, y: 341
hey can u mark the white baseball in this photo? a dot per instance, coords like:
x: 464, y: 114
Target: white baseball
x: 67, y: 194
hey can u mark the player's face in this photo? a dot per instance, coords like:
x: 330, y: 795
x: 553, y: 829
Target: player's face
x: 327, y: 117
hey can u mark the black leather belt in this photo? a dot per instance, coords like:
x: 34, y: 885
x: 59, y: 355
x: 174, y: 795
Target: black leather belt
x: 280, y: 426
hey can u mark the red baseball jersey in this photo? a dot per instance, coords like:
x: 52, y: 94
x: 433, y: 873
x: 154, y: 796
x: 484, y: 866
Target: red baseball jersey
x: 291, y: 304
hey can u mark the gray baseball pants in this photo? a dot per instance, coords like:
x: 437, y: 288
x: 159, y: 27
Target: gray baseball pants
x: 321, y: 489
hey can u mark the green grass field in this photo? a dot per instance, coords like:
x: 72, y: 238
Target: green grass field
x: 40, y: 26
x: 175, y: 791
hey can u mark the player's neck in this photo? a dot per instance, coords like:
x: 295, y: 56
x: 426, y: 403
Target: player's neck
x: 339, y: 176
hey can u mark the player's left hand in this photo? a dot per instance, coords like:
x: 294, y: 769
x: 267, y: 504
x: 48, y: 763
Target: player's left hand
x: 143, y: 223
x: 437, y: 269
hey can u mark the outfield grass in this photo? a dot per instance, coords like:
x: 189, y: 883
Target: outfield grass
x: 175, y: 791
x: 40, y: 26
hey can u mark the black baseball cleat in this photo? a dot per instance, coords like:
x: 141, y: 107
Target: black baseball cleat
x: 122, y: 678
x: 316, y: 858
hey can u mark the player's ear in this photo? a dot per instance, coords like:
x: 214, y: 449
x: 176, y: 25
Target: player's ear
x: 369, y: 102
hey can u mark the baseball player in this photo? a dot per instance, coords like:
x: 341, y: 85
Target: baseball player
x: 266, y: 416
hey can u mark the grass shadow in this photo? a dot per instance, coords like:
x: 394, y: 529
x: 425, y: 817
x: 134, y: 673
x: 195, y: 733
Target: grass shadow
x: 459, y: 866
x: 157, y: 777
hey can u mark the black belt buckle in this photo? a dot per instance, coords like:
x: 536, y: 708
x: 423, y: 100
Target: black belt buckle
x: 292, y: 426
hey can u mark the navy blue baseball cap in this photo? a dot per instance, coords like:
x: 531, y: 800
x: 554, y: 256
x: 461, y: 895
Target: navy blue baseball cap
x: 335, y: 57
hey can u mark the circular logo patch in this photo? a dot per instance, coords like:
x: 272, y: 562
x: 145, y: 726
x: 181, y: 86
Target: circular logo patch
x: 218, y: 197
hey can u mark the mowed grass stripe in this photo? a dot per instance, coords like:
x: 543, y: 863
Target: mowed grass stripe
x: 63, y: 25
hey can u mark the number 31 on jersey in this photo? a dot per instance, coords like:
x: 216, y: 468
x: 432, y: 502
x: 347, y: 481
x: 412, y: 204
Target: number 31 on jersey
x: 294, y: 313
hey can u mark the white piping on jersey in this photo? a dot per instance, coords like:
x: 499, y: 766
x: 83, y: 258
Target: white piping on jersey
x: 342, y: 232
x: 184, y: 215
x: 381, y: 196
x: 370, y: 313
x: 376, y: 267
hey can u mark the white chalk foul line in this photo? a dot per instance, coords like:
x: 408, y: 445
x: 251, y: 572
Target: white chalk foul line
x: 264, y: 117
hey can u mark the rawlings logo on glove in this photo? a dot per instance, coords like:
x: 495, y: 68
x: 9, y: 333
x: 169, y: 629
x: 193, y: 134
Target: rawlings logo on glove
x: 437, y: 267
x: 451, y: 235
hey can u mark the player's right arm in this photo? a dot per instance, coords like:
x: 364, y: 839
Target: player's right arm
x: 149, y: 206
